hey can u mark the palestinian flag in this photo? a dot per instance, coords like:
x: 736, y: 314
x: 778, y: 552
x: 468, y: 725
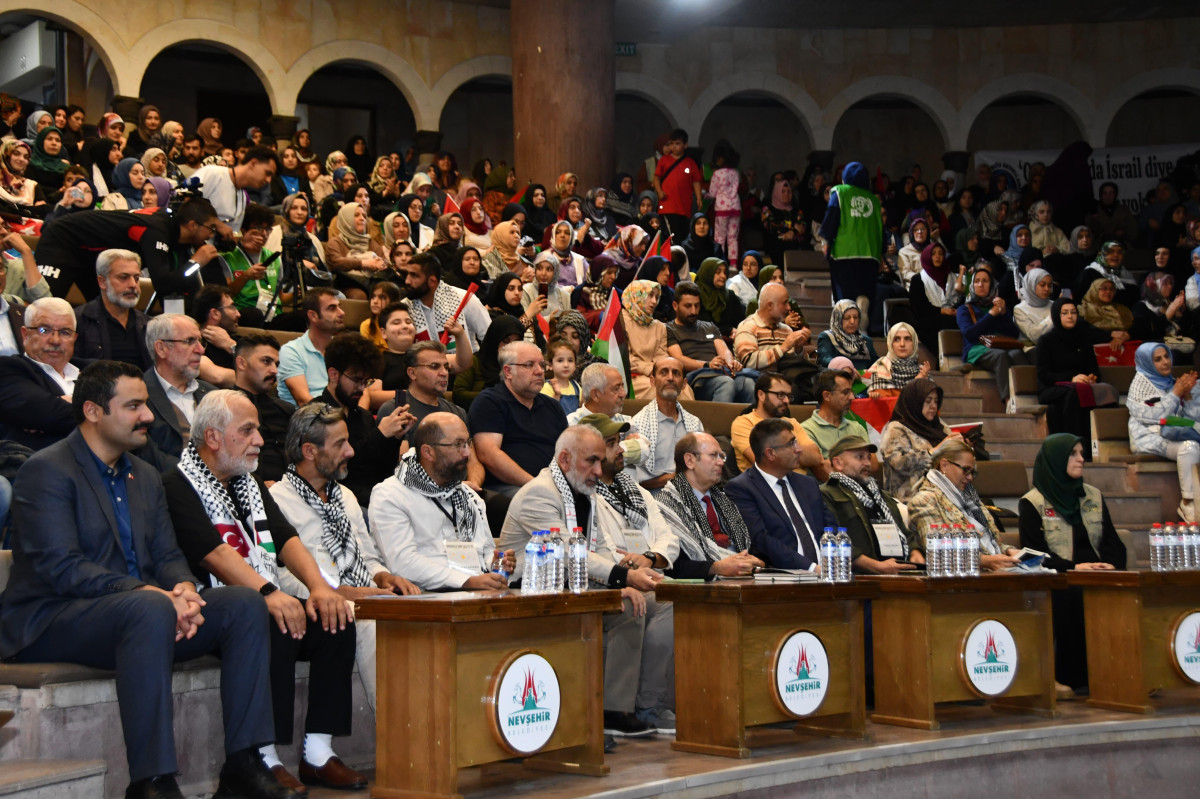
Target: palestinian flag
x: 521, y: 196
x: 660, y: 246
x: 605, y: 346
x: 451, y: 206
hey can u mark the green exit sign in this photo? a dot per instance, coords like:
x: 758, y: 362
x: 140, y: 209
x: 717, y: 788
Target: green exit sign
x: 626, y: 48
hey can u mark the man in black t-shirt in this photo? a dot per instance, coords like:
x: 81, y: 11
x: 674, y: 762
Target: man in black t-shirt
x: 256, y: 370
x: 711, y: 369
x: 513, y: 423
x: 218, y: 317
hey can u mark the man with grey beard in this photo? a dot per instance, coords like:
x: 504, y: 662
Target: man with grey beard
x: 639, y: 655
x: 177, y: 347
x: 110, y: 327
x: 233, y: 533
x: 661, y: 424
x: 330, y: 522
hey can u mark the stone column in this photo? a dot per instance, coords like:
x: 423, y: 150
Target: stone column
x: 564, y: 89
x: 282, y: 129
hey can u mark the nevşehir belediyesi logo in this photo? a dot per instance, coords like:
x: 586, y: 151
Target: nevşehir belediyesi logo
x: 526, y: 695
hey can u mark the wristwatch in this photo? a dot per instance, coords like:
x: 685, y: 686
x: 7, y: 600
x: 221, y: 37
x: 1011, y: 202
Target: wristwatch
x: 650, y: 556
x: 268, y: 588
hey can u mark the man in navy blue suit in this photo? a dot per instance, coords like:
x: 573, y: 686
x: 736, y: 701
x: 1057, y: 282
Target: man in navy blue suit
x: 98, y: 579
x: 782, y: 509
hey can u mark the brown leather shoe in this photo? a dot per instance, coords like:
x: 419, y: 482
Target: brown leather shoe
x: 285, y: 778
x: 334, y: 774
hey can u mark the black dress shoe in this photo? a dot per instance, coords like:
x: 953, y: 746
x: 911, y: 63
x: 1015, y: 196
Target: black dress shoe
x: 162, y: 787
x: 625, y: 725
x: 246, y: 776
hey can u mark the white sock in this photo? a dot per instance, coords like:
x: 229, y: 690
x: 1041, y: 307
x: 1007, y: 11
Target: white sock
x: 318, y: 748
x: 270, y: 756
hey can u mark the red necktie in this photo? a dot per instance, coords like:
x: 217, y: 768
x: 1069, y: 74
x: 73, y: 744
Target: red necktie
x: 715, y: 524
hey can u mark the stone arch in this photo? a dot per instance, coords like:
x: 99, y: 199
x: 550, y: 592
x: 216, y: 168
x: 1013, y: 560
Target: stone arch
x: 1059, y: 92
x: 216, y: 34
x: 95, y: 30
x: 393, y: 67
x: 795, y: 98
x: 662, y: 96
x: 1170, y: 78
x: 924, y: 96
x: 429, y: 114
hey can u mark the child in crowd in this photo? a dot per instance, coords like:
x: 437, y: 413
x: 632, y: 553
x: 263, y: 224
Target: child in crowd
x: 560, y: 355
x: 382, y: 295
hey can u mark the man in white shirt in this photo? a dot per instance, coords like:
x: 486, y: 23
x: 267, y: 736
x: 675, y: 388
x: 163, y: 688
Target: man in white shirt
x: 225, y: 186
x: 36, y: 387
x: 176, y: 345
x: 602, y: 390
x: 330, y: 523
x: 430, y: 527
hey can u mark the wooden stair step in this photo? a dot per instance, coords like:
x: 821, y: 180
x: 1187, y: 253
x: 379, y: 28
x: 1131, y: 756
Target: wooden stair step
x: 1002, y: 426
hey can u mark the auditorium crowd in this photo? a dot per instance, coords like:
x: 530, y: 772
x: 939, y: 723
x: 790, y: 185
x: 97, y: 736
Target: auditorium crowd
x: 233, y: 473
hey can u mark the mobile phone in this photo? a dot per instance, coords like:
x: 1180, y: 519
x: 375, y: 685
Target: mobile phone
x: 543, y: 289
x: 1065, y: 294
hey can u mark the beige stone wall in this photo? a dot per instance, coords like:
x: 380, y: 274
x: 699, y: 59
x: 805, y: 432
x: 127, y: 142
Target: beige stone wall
x: 429, y: 47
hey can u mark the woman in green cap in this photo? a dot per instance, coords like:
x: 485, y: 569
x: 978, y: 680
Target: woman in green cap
x: 1067, y: 519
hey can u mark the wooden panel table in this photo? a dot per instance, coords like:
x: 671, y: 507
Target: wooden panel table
x: 439, y: 657
x: 920, y: 628
x: 1131, y: 619
x: 729, y: 638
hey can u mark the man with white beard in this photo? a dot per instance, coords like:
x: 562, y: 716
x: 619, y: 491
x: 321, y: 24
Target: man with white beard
x: 639, y: 655
x: 110, y: 327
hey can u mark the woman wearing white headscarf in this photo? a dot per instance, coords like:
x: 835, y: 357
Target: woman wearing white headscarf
x: 900, y: 366
x: 1032, y: 314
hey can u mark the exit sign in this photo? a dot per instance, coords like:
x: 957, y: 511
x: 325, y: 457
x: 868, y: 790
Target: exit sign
x: 626, y: 48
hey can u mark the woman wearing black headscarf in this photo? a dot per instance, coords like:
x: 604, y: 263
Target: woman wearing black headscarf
x: 621, y: 200
x: 485, y: 369
x: 504, y: 296
x: 100, y: 157
x: 700, y: 244
x: 538, y: 215
x: 1067, y: 371
x: 358, y: 157
x: 1067, y: 185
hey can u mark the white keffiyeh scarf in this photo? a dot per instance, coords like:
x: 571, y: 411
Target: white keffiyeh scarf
x: 445, y: 302
x: 679, y: 499
x: 645, y: 422
x: 625, y: 498
x: 239, y: 518
x: 337, y: 536
x: 468, y: 511
x: 872, y: 500
x: 568, y: 498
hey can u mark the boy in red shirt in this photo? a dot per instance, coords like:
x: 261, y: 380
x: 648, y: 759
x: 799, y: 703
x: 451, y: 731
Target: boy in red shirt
x: 677, y: 182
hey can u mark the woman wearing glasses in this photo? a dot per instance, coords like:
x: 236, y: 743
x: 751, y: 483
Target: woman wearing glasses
x: 947, y: 496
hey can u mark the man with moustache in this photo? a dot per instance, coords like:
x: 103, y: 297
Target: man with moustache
x: 233, y: 533
x: 175, y: 390
x: 514, y: 424
x: 110, y: 326
x: 711, y: 368
x: 661, y: 424
x: 36, y: 387
x: 330, y: 522
x: 428, y: 523
x: 353, y: 363
x: 639, y: 655
x: 434, y: 302
x: 256, y: 370
x: 98, y: 579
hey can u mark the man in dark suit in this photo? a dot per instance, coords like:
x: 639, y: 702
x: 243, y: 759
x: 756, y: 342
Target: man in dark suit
x: 783, y: 509
x: 35, y: 388
x: 174, y: 390
x: 98, y: 579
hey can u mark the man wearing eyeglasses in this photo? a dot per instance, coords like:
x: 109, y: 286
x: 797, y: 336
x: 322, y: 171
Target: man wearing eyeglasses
x: 173, y: 381
x: 36, y: 387
x: 514, y: 424
x: 110, y: 326
x: 774, y: 396
x: 353, y: 363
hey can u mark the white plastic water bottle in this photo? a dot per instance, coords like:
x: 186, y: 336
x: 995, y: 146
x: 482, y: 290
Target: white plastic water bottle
x: 1194, y: 546
x: 828, y: 556
x: 960, y: 566
x: 557, y: 559
x: 933, y: 551
x: 577, y: 556
x: 1171, y: 551
x: 844, y: 551
x: 1158, y: 548
x: 1181, y: 546
x: 972, y: 553
x: 529, y: 570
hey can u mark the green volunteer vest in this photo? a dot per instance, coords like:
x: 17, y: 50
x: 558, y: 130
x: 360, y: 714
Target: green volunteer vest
x: 1059, y: 535
x: 860, y: 232
x: 249, y: 295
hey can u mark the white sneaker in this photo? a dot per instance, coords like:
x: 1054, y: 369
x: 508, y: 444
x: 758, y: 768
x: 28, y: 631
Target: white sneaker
x: 1187, y: 511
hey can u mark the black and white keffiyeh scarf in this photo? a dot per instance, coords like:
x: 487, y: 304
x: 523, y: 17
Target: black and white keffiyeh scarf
x: 625, y: 498
x: 645, y: 423
x: 568, y: 498
x: 337, y: 536
x: 872, y: 500
x: 445, y: 302
x: 239, y: 518
x: 679, y: 498
x: 468, y: 512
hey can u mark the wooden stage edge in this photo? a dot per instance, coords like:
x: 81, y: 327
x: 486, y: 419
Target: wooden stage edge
x: 1099, y: 750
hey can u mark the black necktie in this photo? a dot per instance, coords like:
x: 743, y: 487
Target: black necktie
x: 802, y: 532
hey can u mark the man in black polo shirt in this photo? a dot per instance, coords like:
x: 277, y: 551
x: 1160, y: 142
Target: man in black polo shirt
x: 256, y: 369
x: 711, y: 369
x: 218, y: 317
x: 353, y: 362
x: 513, y: 423
x: 110, y: 327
